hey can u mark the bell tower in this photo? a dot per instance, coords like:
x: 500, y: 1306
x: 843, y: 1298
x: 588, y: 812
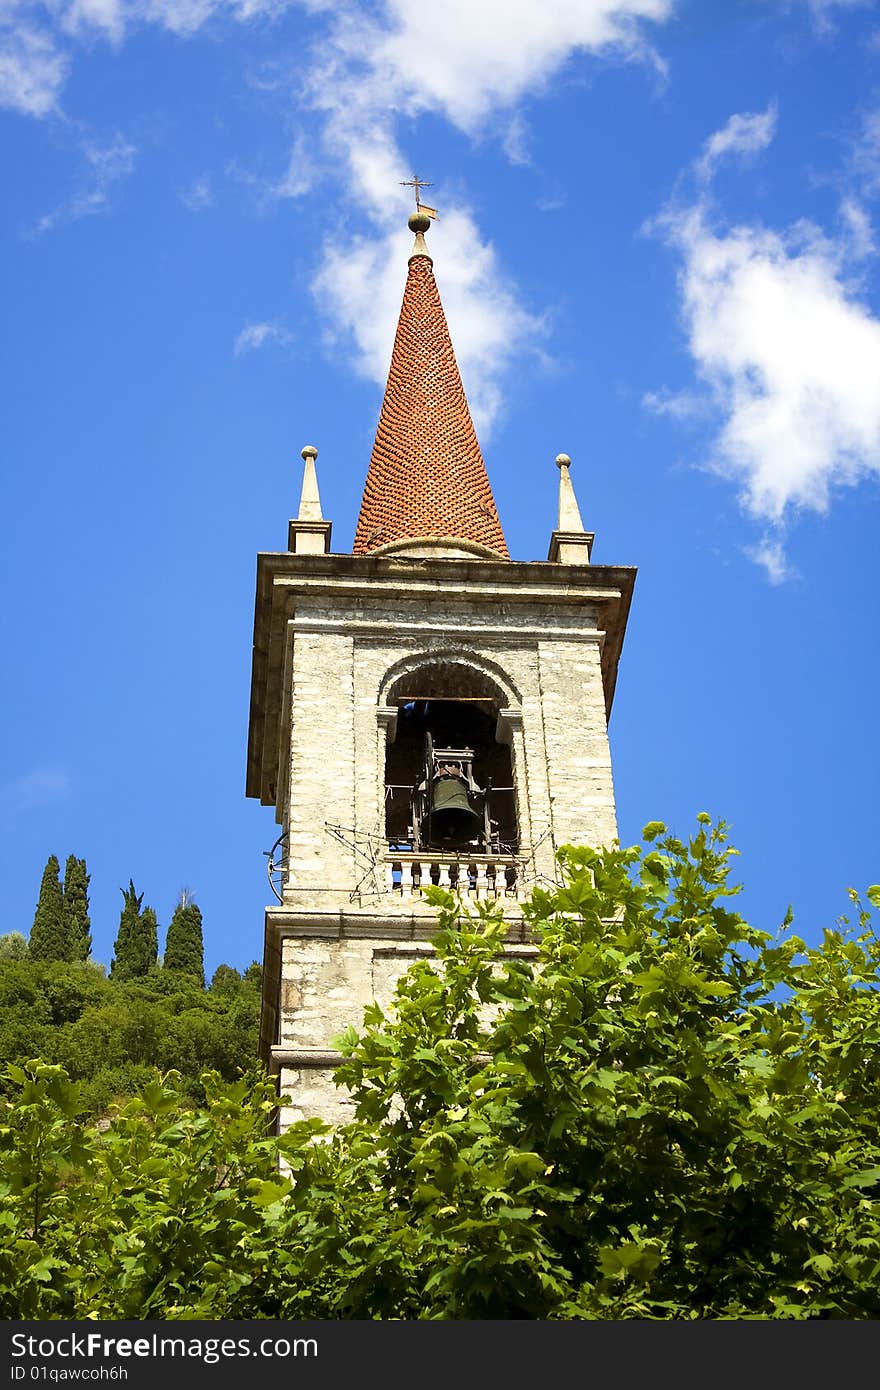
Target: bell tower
x: 423, y: 709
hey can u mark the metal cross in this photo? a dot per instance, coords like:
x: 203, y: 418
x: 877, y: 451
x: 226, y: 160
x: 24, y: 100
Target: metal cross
x: 416, y: 183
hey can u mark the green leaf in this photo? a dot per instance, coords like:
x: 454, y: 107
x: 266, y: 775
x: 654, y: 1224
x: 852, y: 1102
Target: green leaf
x: 630, y: 1258
x: 866, y: 1178
x: 347, y: 1041
x: 264, y: 1193
x: 760, y: 1064
x: 42, y: 1270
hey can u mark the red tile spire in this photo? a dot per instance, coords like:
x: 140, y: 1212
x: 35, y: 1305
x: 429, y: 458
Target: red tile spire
x: 426, y: 476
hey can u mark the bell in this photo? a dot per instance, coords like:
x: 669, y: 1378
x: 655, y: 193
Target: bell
x: 453, y: 821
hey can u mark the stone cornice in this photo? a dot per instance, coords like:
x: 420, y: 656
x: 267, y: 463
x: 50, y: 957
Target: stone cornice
x: 386, y: 924
x: 314, y: 1059
x: 475, y: 633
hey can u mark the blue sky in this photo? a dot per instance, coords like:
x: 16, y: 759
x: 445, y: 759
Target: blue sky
x: 657, y: 253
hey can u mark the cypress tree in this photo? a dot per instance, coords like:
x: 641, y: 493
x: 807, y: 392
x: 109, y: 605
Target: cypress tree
x: 183, y: 943
x: 77, y: 923
x: 48, y: 938
x: 150, y: 936
x: 136, y: 947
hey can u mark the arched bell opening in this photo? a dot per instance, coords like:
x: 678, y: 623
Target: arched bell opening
x: 448, y: 779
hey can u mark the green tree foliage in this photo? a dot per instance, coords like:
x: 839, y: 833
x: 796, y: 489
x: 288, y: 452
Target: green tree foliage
x: 39, y: 999
x: 136, y: 947
x: 77, y: 923
x: 149, y: 938
x: 226, y: 980
x: 152, y: 1211
x: 48, y: 939
x: 184, y: 950
x: 13, y: 946
x: 660, y: 1113
x: 112, y: 1036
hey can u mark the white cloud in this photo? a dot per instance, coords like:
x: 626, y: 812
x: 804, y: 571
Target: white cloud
x: 472, y: 64
x: 33, y: 67
x: 858, y: 230
x: 110, y: 162
x: 256, y: 335
x: 516, y: 140
x: 791, y: 356
x: 360, y: 285
x: 822, y: 12
x: 298, y: 178
x: 866, y: 155
x: 770, y: 553
x: 466, y: 61
x: 185, y: 17
x: 788, y: 350
x: 822, y: 9
x: 113, y: 18
x: 678, y: 405
x: 43, y: 786
x: 745, y: 133
x: 109, y: 16
x: 301, y: 173
x: 199, y: 194
x: 551, y: 202
x: 32, y: 70
x: 107, y: 165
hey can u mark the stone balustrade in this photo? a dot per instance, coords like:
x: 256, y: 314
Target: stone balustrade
x: 473, y: 876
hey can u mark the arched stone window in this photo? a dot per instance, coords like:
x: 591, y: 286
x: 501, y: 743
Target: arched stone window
x: 449, y: 777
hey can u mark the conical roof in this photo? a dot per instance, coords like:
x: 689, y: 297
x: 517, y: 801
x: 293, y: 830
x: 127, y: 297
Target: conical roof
x: 426, y: 476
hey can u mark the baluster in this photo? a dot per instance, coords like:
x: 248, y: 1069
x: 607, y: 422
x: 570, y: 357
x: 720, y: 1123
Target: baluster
x: 481, y: 885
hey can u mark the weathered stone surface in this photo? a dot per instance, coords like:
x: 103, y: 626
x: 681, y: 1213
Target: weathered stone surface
x: 344, y: 647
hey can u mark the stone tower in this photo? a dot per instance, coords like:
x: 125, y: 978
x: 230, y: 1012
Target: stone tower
x: 423, y: 710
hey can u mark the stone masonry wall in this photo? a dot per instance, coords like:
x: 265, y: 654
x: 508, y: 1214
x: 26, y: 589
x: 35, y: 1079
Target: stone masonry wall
x: 343, y: 648
x: 368, y: 972
x: 576, y: 743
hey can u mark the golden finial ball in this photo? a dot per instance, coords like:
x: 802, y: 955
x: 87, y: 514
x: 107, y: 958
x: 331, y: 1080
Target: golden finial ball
x: 563, y: 461
x: 308, y: 452
x: 419, y: 222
